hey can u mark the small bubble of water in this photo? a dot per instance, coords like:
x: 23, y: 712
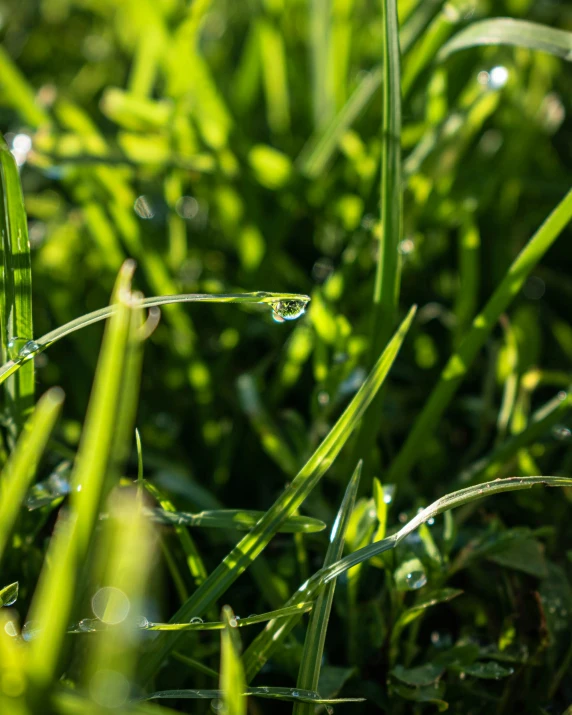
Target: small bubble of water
x: 561, y: 433
x: 30, y: 630
x: 142, y: 622
x: 196, y: 620
x: 415, y: 580
x: 233, y: 623
x: 15, y: 344
x: 295, y: 693
x: 29, y: 348
x: 288, y: 309
x: 431, y: 521
x: 12, y: 598
x: 87, y: 625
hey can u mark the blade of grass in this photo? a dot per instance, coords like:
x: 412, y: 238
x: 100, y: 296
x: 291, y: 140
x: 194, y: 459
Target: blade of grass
x: 255, y: 541
x: 17, y: 92
x: 95, y: 471
x: 319, y: 41
x: 460, y: 362
x: 291, y: 695
x: 507, y: 31
x: 48, y: 339
x: 16, y: 276
x: 243, y: 519
x: 19, y: 472
x: 309, y: 672
x: 232, y: 683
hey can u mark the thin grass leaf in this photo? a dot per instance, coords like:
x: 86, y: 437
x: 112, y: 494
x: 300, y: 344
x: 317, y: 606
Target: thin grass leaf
x: 197, y: 624
x: 516, y: 33
x: 95, y: 471
x: 317, y: 152
x: 20, y: 470
x: 241, y: 519
x: 310, y: 664
x: 277, y: 301
x: 17, y: 92
x: 319, y: 42
x: 255, y: 541
x: 232, y: 683
x: 16, y: 289
x: 459, y: 363
x: 291, y: 695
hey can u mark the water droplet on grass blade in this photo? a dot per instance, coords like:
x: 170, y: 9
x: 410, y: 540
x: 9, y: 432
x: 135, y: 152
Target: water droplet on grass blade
x: 288, y: 309
x: 142, y: 622
x: 415, y: 580
x: 29, y: 348
x: 30, y: 630
x: 196, y: 620
x: 87, y: 625
x: 561, y: 433
x: 15, y: 344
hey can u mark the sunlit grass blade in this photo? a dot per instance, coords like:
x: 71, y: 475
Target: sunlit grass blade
x: 232, y: 683
x: 16, y: 289
x: 272, y: 299
x: 17, y: 92
x: 241, y: 519
x: 508, y: 31
x: 274, y: 75
x: 21, y: 468
x: 319, y: 42
x: 113, y: 655
x: 310, y: 665
x: 255, y: 541
x: 388, y: 271
x: 95, y: 471
x: 12, y: 664
x: 319, y: 149
x: 460, y: 362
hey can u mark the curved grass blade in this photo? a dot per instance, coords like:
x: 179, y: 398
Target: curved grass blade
x: 252, y: 545
x: 242, y: 519
x: 232, y: 683
x: 259, y: 653
x: 309, y: 672
x: 292, y: 695
x: 516, y: 33
x: 20, y: 470
x: 459, y: 363
x: 16, y: 288
x: 83, y: 321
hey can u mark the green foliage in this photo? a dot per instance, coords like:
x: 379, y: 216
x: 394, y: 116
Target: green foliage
x: 321, y: 165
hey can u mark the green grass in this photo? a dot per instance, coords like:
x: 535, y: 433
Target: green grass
x: 353, y: 220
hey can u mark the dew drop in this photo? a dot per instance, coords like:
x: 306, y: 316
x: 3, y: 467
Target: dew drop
x: 87, y: 625
x: 288, y: 309
x: 561, y: 433
x: 217, y: 705
x: 12, y: 599
x: 30, y: 630
x: 29, y: 348
x: 233, y: 623
x: 295, y: 693
x: 143, y: 208
x: 142, y: 622
x: 431, y: 521
x: 196, y: 620
x: 15, y: 344
x: 388, y: 493
x: 415, y: 580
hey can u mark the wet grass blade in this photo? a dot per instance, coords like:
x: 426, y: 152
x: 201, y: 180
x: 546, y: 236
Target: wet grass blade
x: 271, y: 299
x: 242, y: 519
x: 507, y: 31
x: 309, y: 673
x: 459, y: 363
x: 292, y: 695
x: 255, y: 541
x: 198, y: 625
x: 20, y: 470
x: 232, y: 683
x: 16, y: 289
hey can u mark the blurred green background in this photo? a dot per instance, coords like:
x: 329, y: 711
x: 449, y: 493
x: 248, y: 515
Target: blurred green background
x: 235, y: 146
